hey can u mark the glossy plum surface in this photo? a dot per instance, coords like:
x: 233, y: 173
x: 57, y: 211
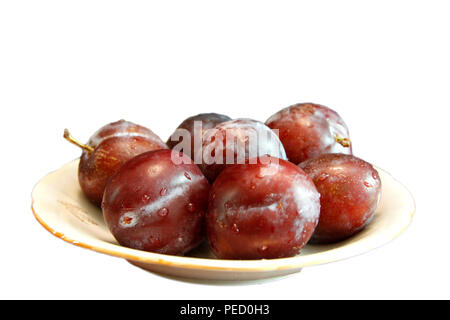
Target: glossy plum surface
x: 308, y: 130
x: 350, y: 190
x: 208, y: 121
x: 261, y: 211
x: 123, y: 128
x: 234, y: 141
x: 110, y: 147
x: 155, y: 205
x: 108, y: 156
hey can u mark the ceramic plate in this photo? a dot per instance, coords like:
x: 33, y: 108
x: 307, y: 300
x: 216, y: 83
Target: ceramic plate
x: 60, y: 207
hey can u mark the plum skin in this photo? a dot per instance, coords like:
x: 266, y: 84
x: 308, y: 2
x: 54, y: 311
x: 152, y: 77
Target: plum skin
x: 123, y: 128
x: 350, y: 190
x: 155, y: 205
x: 113, y: 145
x: 97, y: 167
x: 239, y: 130
x: 261, y: 211
x: 208, y: 120
x: 308, y: 130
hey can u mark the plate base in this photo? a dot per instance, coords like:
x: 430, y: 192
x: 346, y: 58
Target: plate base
x: 220, y: 275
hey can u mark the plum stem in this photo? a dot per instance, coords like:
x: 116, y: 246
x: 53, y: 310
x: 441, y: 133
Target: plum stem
x: 345, y: 142
x: 72, y: 140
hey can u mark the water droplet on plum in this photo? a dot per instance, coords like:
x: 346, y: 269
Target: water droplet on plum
x: 262, y: 250
x: 127, y: 220
x: 190, y: 207
x: 163, y: 212
x: 146, y: 198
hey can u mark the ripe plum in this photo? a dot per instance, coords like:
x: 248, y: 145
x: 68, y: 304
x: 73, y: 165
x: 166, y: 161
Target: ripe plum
x: 308, y: 130
x: 155, y: 205
x: 261, y: 211
x: 350, y: 190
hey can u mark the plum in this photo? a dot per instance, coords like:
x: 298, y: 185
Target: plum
x: 308, y: 130
x: 350, y: 191
x: 107, y: 150
x: 261, y: 211
x: 123, y: 128
x: 207, y: 121
x: 153, y: 204
x: 235, y: 141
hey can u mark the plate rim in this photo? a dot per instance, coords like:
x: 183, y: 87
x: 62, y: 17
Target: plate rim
x: 196, y: 263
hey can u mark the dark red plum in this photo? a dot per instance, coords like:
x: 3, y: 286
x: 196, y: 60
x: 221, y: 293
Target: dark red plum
x: 156, y: 205
x: 123, y: 128
x: 98, y: 166
x: 261, y: 211
x: 350, y: 190
x: 235, y: 141
x: 308, y: 130
x: 207, y: 120
x: 107, y: 150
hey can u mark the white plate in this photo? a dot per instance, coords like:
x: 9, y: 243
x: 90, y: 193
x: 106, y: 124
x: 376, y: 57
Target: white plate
x: 60, y: 207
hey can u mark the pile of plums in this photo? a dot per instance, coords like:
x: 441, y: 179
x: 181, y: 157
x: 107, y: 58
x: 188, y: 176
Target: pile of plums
x: 252, y: 190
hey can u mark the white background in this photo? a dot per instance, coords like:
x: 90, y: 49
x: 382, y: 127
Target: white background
x: 383, y: 65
